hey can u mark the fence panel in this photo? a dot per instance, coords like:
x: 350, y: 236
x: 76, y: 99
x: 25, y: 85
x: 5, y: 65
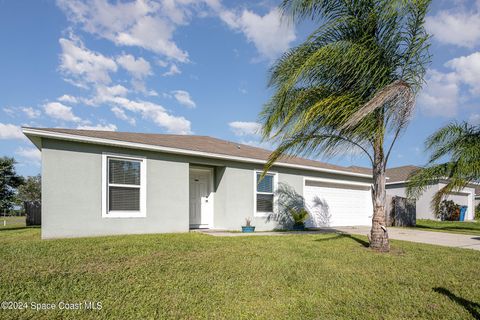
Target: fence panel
x: 400, y: 212
x: 33, y: 211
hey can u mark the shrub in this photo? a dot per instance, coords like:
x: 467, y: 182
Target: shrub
x: 477, y: 212
x: 448, y: 210
x: 299, y: 216
x: 290, y: 207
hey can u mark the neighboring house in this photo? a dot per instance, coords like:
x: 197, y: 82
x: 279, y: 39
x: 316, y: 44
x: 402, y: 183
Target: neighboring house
x: 105, y: 183
x: 396, y: 186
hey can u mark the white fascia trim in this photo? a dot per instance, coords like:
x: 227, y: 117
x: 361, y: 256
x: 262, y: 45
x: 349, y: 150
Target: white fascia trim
x: 135, y: 145
x: 335, y: 181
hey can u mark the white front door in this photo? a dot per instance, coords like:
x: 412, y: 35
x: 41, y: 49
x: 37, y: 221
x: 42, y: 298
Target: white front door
x: 201, y: 198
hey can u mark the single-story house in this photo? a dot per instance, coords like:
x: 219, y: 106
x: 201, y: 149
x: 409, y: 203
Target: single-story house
x: 105, y: 183
x: 396, y: 186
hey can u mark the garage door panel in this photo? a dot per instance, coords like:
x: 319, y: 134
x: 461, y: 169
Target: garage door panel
x: 337, y: 205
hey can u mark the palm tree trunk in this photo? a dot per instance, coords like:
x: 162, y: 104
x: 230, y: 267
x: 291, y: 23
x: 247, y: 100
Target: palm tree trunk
x: 379, y: 234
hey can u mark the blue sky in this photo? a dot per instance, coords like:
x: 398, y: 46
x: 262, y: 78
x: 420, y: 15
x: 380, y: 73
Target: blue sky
x: 190, y: 67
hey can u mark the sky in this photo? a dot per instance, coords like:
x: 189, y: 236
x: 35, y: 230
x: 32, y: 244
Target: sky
x: 192, y: 67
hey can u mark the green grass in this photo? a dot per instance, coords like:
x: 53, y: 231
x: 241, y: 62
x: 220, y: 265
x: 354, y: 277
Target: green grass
x: 195, y: 276
x: 12, y: 222
x: 463, y: 227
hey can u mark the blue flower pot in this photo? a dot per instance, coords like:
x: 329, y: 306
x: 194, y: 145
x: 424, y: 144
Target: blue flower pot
x: 298, y: 227
x: 248, y: 229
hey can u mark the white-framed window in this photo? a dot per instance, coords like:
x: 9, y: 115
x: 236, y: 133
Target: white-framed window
x: 124, y: 186
x: 265, y: 188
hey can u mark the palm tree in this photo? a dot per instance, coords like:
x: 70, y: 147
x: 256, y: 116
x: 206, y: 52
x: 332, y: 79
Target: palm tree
x: 460, y: 142
x: 352, y: 82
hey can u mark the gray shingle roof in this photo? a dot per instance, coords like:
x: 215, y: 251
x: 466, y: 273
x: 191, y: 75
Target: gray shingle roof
x: 400, y: 173
x: 201, y: 144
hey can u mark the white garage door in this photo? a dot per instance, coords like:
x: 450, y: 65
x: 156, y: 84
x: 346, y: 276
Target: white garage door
x: 332, y: 204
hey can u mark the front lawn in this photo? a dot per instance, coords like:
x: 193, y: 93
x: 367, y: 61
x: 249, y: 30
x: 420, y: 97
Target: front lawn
x: 464, y: 227
x: 12, y: 222
x: 324, y: 276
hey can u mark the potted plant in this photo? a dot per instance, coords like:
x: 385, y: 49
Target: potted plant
x: 248, y: 228
x: 299, y: 216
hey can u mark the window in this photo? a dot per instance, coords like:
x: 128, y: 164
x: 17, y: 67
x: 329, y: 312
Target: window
x: 124, y: 184
x: 264, y: 195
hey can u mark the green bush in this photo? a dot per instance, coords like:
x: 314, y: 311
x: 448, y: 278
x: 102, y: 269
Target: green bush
x: 477, y: 212
x: 299, y: 216
x: 448, y: 211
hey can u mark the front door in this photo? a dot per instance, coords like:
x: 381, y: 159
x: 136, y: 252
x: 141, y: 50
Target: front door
x: 200, y: 198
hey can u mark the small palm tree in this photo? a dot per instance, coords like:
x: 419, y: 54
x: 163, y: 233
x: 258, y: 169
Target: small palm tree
x: 349, y: 84
x: 460, y: 142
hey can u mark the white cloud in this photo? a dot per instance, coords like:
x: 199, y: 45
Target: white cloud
x: 31, y: 112
x: 138, y: 68
x: 440, y: 96
x: 151, y: 24
x: 32, y: 154
x: 120, y: 114
x: 459, y: 27
x: 117, y: 90
x: 148, y: 110
x: 270, y: 34
x: 99, y: 127
x: 156, y: 113
x: 68, y: 99
x: 60, y: 111
x: 474, y: 119
x: 467, y: 69
x: 10, y: 131
x: 172, y: 71
x: 146, y: 24
x: 10, y: 111
x: 242, y: 128
x: 84, y: 65
x: 183, y: 97
x: 161, y: 63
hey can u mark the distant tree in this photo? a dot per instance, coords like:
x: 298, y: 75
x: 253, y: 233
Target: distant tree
x: 9, y: 181
x: 31, y: 189
x: 459, y: 145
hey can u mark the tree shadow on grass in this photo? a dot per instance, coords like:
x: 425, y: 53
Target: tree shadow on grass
x: 470, y: 306
x: 19, y: 228
x: 447, y: 228
x: 338, y: 236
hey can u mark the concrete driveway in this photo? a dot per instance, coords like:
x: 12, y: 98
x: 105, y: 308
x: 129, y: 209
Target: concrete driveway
x: 430, y: 237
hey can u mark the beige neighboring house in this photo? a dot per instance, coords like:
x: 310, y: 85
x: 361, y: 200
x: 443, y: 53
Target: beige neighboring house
x: 396, y: 186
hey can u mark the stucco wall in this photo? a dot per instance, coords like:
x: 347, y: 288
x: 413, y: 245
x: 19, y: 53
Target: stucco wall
x: 71, y: 193
x: 235, y: 192
x: 424, y: 210
x: 423, y: 203
x: 234, y: 198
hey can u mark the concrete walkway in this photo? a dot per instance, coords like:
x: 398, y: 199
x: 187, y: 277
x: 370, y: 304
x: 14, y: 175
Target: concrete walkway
x: 226, y: 233
x: 430, y: 237
x: 413, y: 235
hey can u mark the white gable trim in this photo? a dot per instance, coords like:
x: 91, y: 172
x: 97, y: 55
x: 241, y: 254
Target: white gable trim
x: 29, y: 132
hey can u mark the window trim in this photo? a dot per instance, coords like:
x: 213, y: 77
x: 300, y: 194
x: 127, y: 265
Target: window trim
x: 275, y: 185
x: 142, y: 213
